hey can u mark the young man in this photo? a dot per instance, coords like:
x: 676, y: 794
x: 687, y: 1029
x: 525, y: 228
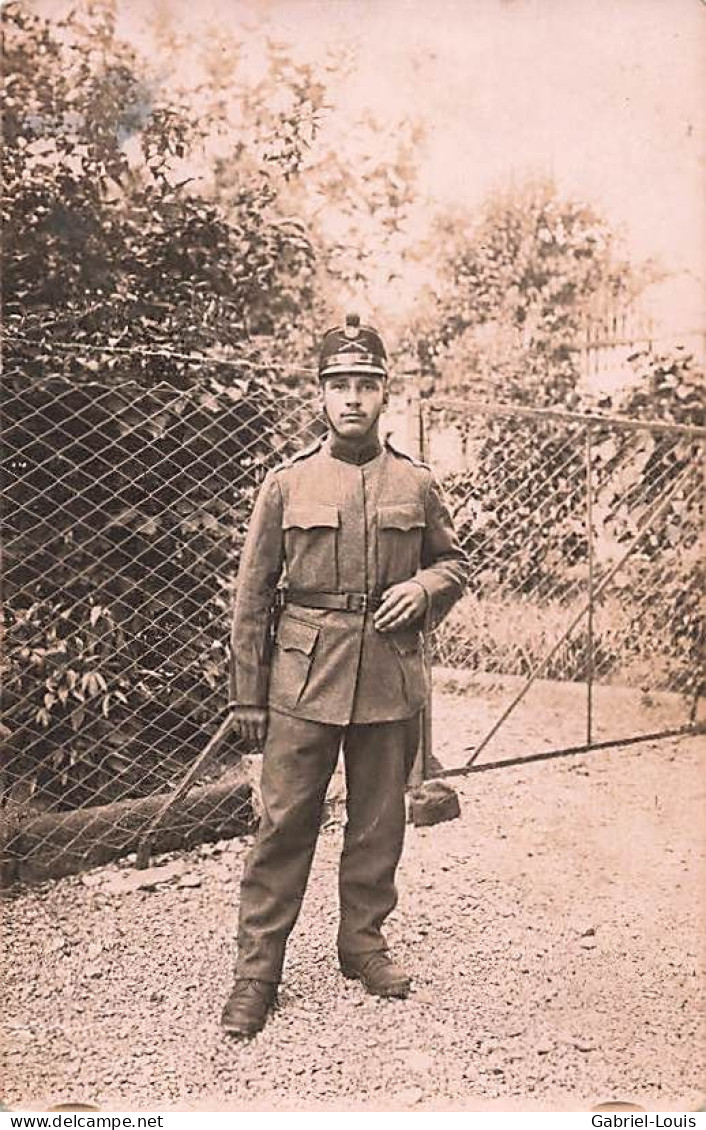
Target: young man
x: 368, y: 550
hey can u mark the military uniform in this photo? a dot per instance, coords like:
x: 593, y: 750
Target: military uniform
x: 336, y: 529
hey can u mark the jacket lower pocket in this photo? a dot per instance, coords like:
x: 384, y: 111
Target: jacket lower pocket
x: 293, y: 656
x: 407, y: 645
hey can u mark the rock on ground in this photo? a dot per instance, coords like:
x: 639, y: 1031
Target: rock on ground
x: 553, y: 932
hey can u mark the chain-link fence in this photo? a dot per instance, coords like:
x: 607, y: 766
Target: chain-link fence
x: 582, y: 623
x: 126, y: 506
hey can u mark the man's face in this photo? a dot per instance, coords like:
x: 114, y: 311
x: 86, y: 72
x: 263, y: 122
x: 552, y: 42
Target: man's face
x: 353, y: 403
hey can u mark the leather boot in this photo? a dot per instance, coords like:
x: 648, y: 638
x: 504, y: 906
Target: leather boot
x: 247, y: 1007
x: 377, y: 973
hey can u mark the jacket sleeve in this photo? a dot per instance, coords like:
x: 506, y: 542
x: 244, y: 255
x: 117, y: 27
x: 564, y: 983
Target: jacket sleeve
x: 258, y: 574
x: 444, y: 564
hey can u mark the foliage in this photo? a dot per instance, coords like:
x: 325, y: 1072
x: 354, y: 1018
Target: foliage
x: 370, y: 194
x: 515, y: 288
x: 638, y: 641
x: 354, y: 185
x: 520, y: 510
x: 130, y: 465
x: 108, y: 251
x: 666, y: 386
x: 130, y: 509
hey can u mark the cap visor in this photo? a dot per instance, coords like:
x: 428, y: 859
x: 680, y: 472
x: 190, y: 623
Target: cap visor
x: 336, y: 370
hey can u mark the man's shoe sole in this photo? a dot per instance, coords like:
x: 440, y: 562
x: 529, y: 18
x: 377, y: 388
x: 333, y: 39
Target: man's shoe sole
x: 399, y: 989
x: 242, y: 1033
x: 247, y: 1033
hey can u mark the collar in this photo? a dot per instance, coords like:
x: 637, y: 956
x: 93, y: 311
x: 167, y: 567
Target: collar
x: 340, y: 448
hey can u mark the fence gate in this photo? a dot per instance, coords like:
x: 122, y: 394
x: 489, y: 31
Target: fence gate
x: 126, y: 505
x: 583, y: 623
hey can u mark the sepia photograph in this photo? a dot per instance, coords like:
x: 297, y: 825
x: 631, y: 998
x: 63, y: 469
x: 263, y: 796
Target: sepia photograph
x: 353, y: 688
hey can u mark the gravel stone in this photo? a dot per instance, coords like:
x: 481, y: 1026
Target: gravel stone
x: 124, y: 1011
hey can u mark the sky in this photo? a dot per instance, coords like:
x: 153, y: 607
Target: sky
x: 607, y: 96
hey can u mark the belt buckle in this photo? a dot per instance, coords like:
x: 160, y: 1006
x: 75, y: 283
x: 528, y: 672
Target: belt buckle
x: 357, y: 602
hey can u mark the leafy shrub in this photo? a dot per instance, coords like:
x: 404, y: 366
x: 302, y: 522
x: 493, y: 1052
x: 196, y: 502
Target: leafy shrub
x: 130, y: 466
x: 668, y: 386
x: 129, y: 507
x: 521, y: 514
x: 519, y: 508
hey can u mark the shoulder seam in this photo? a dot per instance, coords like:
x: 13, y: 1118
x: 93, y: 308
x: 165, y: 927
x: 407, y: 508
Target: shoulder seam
x: 405, y: 455
x: 305, y: 453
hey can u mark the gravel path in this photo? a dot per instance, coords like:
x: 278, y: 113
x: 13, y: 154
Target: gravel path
x: 553, y: 933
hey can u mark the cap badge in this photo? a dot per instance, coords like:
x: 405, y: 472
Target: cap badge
x: 352, y: 327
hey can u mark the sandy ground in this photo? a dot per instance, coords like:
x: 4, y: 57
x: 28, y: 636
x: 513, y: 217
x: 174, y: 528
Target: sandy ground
x: 552, y: 715
x: 555, y: 933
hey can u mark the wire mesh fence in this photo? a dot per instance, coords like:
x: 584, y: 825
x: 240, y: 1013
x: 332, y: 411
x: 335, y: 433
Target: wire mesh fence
x: 647, y: 625
x: 582, y: 622
x: 126, y: 506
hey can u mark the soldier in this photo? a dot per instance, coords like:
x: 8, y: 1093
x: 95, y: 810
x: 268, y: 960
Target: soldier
x: 367, y: 550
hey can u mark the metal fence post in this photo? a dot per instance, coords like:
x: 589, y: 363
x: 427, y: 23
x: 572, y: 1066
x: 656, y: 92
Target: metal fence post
x: 655, y: 511
x: 590, y: 656
x: 416, y: 444
x: 414, y: 424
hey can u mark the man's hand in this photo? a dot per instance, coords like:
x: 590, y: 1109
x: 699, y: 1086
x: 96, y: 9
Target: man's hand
x: 400, y: 606
x: 250, y: 723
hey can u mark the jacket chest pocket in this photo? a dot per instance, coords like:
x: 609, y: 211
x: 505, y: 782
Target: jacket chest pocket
x: 311, y: 545
x: 400, y: 532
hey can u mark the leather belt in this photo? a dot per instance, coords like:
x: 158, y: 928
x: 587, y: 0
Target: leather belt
x: 339, y: 601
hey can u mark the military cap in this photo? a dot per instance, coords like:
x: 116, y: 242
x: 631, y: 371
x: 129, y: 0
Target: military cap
x: 352, y: 348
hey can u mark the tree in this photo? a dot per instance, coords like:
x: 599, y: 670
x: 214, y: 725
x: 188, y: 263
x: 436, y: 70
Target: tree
x: 515, y: 287
x: 107, y: 250
x: 144, y: 398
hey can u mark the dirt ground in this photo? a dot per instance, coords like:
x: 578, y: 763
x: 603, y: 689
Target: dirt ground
x: 555, y: 934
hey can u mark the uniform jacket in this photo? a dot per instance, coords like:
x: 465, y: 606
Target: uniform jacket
x: 324, y: 524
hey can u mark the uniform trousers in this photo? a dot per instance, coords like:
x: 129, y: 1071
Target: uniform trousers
x: 298, y: 760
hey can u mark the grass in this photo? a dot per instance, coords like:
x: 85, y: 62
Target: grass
x: 511, y: 636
